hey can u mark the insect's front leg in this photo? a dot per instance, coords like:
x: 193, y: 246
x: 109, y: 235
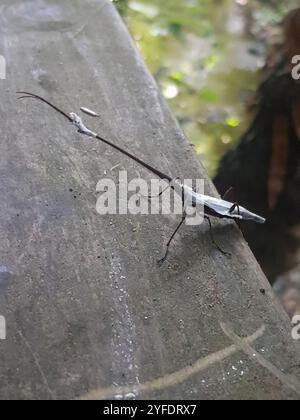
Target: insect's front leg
x: 235, y: 206
x: 162, y: 260
x: 213, y: 238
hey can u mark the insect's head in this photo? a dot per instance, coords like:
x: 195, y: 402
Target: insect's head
x: 240, y: 213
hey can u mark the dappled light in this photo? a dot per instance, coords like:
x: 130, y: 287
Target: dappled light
x: 205, y: 56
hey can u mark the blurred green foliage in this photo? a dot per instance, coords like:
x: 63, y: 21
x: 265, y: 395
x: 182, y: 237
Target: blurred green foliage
x: 205, y: 56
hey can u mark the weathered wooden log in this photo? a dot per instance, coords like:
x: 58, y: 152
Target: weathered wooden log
x: 88, y: 311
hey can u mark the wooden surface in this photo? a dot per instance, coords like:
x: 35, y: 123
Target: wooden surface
x: 89, y: 313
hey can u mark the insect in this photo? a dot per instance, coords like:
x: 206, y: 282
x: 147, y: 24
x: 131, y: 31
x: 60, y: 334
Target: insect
x: 212, y: 206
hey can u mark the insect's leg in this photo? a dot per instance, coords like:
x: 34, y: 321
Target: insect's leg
x: 161, y: 192
x: 161, y: 261
x: 228, y: 194
x: 157, y: 195
x: 235, y: 206
x: 213, y: 239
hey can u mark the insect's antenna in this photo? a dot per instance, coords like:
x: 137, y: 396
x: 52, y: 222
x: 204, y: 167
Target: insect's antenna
x: 26, y: 95
x: 74, y: 119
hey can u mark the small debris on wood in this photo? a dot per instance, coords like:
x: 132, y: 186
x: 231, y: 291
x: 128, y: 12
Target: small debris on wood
x: 89, y: 112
